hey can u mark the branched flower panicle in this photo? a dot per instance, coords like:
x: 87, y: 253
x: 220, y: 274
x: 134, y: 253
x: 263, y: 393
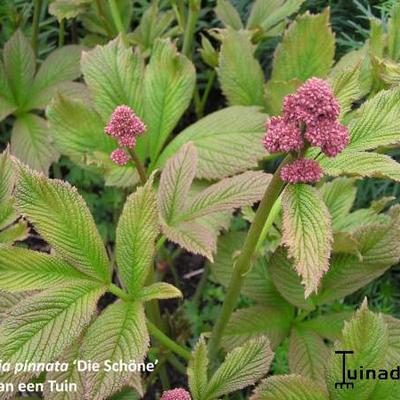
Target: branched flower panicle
x: 125, y: 126
x: 176, y: 394
x: 310, y: 117
x: 302, y: 171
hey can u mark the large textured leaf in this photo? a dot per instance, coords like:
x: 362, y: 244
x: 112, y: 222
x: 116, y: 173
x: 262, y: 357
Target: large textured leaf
x: 377, y: 122
x: 114, y: 74
x: 78, y: 135
x: 30, y: 142
x: 367, y: 335
x: 175, y: 182
x: 286, y: 280
x: 7, y: 178
x: 307, y: 49
x: 228, y: 14
x: 242, y: 82
x: 265, y: 15
x: 35, y: 330
x: 307, y: 354
x: 346, y: 86
x: 9, y: 300
x: 71, y: 354
x: 158, y: 290
x: 379, y: 251
x: 7, y: 102
x: 242, y: 367
x: 339, y: 196
x: 252, y: 322
x: 307, y: 233
x: 290, y: 387
x: 357, y: 163
x: 228, y: 194
x: 137, y: 231
x: 257, y: 284
x: 169, y: 84
x: 61, y: 216
x: 118, y: 334
x: 193, y: 237
x: 227, y: 141
x: 19, y: 65
x: 23, y: 270
x: 61, y: 66
x: 197, y: 370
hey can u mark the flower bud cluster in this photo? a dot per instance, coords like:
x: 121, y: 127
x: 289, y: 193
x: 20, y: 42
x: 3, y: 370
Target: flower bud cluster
x: 310, y: 117
x: 125, y: 126
x: 176, y: 394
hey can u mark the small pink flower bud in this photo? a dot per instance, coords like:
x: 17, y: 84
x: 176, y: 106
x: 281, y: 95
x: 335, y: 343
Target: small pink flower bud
x: 302, y: 171
x: 120, y: 157
x: 176, y: 394
x: 282, y: 136
x: 124, y: 123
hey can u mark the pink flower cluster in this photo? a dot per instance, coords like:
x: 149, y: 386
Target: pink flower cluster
x: 176, y: 394
x: 125, y: 126
x: 310, y: 116
x: 302, y: 171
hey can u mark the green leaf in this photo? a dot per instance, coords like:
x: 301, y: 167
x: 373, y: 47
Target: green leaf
x: 228, y: 14
x: 287, y: 281
x: 35, y: 329
x: 289, y: 387
x: 276, y: 91
x: 228, y: 194
x: 393, y: 33
x: 60, y: 67
x: 266, y: 15
x: 197, y: 370
x: 9, y: 300
x: 328, y: 326
x: 62, y: 218
x: 227, y: 142
x: 81, y: 135
x: 137, y: 232
x: 193, y: 237
x: 19, y: 66
x: 73, y: 375
x: 346, y: 86
x: 159, y: 291
x: 30, y: 142
x: 339, y: 196
x: 23, y: 270
x: 242, y: 367
x: 345, y: 242
x: 7, y: 178
x: 307, y: 232
x: 393, y: 353
x: 248, y: 323
x: 7, y: 103
x: 377, y: 122
x: 378, y: 246
x: 307, y: 49
x: 67, y: 9
x: 354, y: 163
x: 16, y: 232
x: 366, y: 334
x: 118, y: 334
x: 169, y: 84
x: 175, y: 182
x: 307, y: 354
x: 242, y: 82
x: 114, y: 74
x: 257, y: 284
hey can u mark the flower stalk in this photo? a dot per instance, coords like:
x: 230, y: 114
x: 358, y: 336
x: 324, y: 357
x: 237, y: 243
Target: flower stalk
x: 139, y: 166
x: 35, y: 26
x: 243, y: 263
x: 193, y: 15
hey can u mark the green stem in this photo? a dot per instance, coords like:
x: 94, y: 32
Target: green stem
x: 190, y: 28
x: 61, y: 33
x: 276, y: 208
x: 35, y: 25
x: 118, y: 20
x: 139, y: 166
x: 244, y: 260
x: 207, y: 90
x: 114, y: 289
x: 200, y: 286
x: 167, y: 342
